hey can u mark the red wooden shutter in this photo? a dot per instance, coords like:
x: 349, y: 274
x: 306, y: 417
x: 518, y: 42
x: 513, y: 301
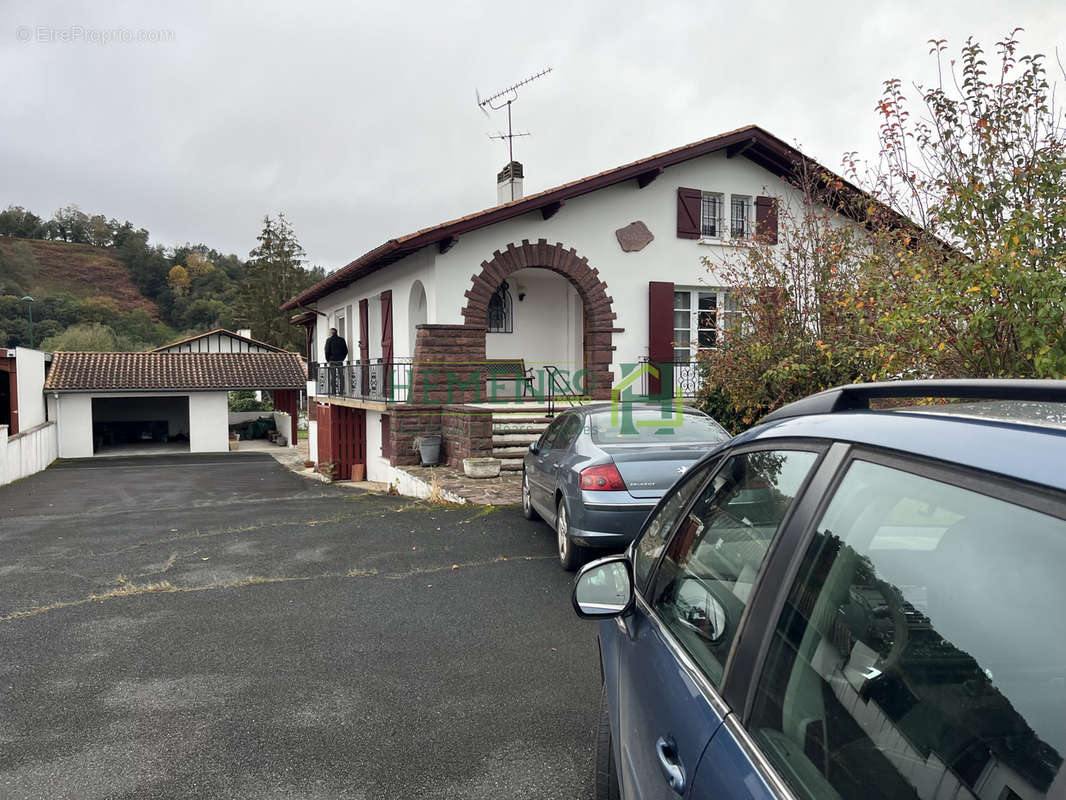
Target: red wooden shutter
x: 766, y: 219
x: 660, y: 329
x: 386, y: 338
x: 364, y: 331
x: 688, y: 213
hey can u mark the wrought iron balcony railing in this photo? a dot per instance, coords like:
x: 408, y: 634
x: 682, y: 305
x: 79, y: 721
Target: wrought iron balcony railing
x: 376, y: 380
x: 685, y: 376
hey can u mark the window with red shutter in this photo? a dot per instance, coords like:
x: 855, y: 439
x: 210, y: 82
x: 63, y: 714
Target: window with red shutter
x: 688, y: 213
x: 766, y: 219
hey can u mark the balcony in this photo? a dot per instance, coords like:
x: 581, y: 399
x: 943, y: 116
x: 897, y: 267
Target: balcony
x: 375, y: 381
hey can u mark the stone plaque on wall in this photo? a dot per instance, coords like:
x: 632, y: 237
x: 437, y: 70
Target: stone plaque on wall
x: 634, y: 236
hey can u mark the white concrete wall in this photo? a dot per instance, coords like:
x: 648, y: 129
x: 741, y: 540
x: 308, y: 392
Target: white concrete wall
x: 283, y: 422
x: 208, y: 422
x: 30, y: 380
x: 74, y: 418
x: 312, y: 440
x: 28, y: 452
x: 377, y: 467
x: 587, y: 224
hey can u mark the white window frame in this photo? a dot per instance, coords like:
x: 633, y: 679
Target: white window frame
x: 749, y: 216
x: 725, y: 316
x: 705, y: 199
x: 340, y: 322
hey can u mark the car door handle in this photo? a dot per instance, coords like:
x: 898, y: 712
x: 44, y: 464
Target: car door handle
x: 670, y: 764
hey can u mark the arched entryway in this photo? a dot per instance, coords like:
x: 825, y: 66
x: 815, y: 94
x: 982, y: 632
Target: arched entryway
x: 597, y: 317
x: 417, y: 311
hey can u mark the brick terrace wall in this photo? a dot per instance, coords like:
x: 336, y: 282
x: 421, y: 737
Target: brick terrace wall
x: 599, y: 314
x: 446, y: 364
x: 467, y: 433
x: 406, y: 424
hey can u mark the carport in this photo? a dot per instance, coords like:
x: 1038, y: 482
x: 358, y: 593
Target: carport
x: 140, y: 425
x: 154, y: 403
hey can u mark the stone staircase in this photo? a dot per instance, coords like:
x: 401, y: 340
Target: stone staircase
x: 513, y: 429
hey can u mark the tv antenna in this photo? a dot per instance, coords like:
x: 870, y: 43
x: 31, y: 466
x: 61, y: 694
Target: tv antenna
x: 506, y: 97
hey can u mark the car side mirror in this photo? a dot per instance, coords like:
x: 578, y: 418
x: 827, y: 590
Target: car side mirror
x: 533, y: 448
x: 603, y: 588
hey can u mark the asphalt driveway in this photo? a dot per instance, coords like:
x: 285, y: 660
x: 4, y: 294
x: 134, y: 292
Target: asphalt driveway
x: 219, y: 627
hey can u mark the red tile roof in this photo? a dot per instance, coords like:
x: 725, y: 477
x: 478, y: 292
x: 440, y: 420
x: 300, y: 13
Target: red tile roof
x: 140, y: 372
x: 751, y: 141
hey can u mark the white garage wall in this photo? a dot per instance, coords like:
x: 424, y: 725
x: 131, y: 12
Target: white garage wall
x: 208, y: 422
x: 74, y: 417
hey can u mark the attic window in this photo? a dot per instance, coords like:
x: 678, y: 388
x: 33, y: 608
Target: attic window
x: 500, y: 316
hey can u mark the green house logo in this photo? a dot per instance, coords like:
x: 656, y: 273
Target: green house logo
x: 622, y: 403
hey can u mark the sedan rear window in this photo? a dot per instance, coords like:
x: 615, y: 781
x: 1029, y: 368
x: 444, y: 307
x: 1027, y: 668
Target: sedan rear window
x: 648, y: 426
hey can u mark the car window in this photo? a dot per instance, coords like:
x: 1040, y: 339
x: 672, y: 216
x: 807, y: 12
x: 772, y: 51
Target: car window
x: 551, y: 433
x: 568, y: 431
x: 921, y: 651
x: 709, y: 567
x: 648, y: 426
x: 661, y: 523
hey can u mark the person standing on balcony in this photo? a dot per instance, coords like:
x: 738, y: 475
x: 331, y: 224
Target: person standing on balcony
x: 336, y: 355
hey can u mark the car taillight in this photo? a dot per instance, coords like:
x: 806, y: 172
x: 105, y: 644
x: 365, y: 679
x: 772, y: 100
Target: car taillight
x: 605, y: 478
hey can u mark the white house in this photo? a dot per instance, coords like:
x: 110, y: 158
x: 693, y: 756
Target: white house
x: 572, y: 286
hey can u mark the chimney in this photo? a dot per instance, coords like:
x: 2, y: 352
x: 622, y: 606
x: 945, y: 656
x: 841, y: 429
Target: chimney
x: 509, y: 183
x: 245, y: 332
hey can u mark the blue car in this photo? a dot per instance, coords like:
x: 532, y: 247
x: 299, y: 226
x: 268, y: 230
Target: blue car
x: 847, y: 603
x: 597, y: 471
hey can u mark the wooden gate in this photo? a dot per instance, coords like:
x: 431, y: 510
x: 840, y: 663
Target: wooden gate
x: 341, y: 439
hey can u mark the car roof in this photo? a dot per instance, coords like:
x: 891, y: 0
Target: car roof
x: 641, y: 404
x: 1026, y: 450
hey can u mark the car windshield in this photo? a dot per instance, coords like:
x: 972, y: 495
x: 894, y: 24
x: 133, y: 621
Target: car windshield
x: 648, y: 426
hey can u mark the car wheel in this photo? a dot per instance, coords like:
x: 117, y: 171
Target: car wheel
x: 527, y: 502
x: 571, y: 556
x: 606, y: 771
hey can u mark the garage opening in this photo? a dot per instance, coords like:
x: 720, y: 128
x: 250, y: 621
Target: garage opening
x: 140, y: 425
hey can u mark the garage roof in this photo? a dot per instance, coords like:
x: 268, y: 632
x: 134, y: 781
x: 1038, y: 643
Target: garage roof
x: 139, y: 372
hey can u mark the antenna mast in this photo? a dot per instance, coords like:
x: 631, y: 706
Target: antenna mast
x: 497, y: 101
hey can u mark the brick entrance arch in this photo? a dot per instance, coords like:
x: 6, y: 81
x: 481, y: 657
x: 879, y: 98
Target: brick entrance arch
x: 599, y: 317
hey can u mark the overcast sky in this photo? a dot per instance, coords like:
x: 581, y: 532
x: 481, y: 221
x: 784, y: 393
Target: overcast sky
x: 359, y: 120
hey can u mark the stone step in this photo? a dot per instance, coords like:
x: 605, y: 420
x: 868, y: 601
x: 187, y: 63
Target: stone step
x: 511, y: 464
x: 509, y: 452
x: 515, y: 437
x: 508, y: 428
x: 520, y: 419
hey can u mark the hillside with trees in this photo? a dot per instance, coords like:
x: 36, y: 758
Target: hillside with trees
x: 98, y: 284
